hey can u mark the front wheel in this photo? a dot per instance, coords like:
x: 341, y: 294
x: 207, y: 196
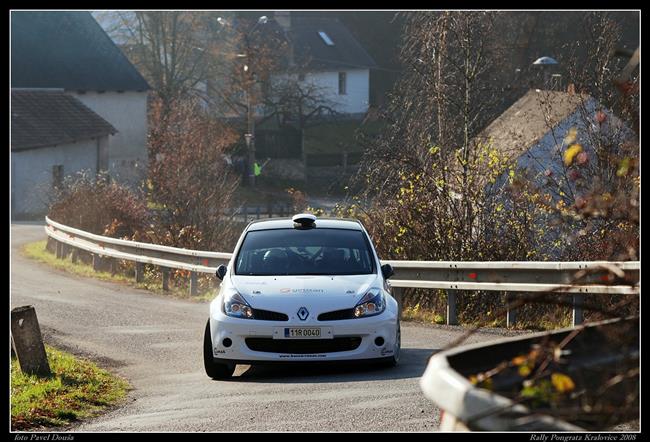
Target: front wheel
x: 214, y: 369
x: 393, y: 360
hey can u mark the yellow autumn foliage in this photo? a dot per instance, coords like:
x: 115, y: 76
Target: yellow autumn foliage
x: 571, y: 153
x: 562, y: 382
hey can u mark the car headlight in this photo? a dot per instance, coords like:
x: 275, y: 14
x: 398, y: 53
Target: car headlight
x: 373, y: 303
x: 236, y: 306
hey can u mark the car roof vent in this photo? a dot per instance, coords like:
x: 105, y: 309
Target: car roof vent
x: 304, y: 220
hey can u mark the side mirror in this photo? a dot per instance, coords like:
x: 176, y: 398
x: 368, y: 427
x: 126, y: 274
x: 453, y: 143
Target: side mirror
x: 387, y: 271
x: 221, y: 271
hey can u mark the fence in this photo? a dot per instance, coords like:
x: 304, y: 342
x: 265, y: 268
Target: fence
x: 577, y: 278
x: 343, y: 159
x: 250, y: 213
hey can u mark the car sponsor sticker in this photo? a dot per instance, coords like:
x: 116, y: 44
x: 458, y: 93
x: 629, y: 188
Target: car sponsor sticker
x: 301, y: 291
x: 292, y: 355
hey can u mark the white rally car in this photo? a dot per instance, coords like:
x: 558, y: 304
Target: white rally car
x: 302, y: 289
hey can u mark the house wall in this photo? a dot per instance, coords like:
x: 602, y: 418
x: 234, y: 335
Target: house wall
x: 127, y: 112
x: 358, y: 89
x: 325, y: 85
x: 31, y: 173
x: 547, y: 154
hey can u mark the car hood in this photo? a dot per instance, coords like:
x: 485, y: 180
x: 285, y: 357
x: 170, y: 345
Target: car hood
x: 321, y: 292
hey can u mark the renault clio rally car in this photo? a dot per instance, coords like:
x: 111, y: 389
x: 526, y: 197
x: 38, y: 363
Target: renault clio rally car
x: 302, y: 289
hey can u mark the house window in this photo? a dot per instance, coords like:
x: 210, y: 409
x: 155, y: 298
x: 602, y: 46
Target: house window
x: 343, y: 87
x: 57, y: 176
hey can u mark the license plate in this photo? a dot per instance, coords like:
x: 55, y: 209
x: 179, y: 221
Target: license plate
x: 302, y: 333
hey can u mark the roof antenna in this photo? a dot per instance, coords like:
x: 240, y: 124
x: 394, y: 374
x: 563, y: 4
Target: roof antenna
x: 304, y: 220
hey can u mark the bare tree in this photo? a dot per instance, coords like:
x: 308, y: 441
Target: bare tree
x: 176, y: 51
x: 265, y: 78
x: 444, y: 99
x: 595, y: 192
x: 188, y: 176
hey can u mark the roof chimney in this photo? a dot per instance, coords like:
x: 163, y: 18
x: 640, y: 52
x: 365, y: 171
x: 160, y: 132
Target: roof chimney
x: 283, y: 18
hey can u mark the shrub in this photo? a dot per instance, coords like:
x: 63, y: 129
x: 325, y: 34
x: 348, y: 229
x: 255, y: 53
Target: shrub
x: 99, y: 205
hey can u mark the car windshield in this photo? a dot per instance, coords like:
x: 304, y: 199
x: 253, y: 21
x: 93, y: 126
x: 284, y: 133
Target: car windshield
x: 304, y: 252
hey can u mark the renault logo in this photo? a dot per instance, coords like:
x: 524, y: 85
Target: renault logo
x: 303, y: 313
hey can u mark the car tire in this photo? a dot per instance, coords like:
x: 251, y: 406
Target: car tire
x: 394, y: 360
x: 213, y: 369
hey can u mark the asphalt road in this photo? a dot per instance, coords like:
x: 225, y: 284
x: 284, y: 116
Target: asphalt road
x: 156, y: 343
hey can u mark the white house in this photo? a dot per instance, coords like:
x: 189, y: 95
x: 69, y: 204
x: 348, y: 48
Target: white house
x: 328, y: 57
x: 53, y: 135
x: 319, y: 55
x: 68, y: 50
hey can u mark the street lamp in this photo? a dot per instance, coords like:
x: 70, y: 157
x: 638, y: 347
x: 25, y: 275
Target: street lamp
x: 546, y: 65
x: 249, y: 136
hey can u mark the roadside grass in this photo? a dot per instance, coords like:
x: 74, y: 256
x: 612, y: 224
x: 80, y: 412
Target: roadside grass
x: 37, y: 251
x: 152, y: 281
x: 542, y: 323
x: 415, y: 313
x: 77, y: 389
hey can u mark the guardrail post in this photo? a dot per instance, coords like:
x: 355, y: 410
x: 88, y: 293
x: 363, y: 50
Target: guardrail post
x: 452, y: 318
x: 75, y: 255
x: 28, y: 341
x: 165, y: 278
x: 97, y: 262
x: 398, y: 294
x: 139, y: 272
x: 194, y: 284
x: 578, y: 313
x: 12, y: 345
x: 511, y: 313
x: 59, y: 250
x: 51, y: 245
x: 113, y: 262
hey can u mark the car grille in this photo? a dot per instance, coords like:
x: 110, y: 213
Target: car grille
x: 336, y: 315
x: 303, y: 346
x: 266, y: 315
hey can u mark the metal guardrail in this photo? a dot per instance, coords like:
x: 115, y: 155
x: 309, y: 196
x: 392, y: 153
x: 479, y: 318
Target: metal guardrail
x: 503, y: 276
x: 461, y: 401
x: 467, y: 406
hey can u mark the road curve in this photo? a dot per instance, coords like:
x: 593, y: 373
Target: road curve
x: 156, y: 343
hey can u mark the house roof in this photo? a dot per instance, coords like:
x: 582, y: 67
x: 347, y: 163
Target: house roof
x: 42, y: 118
x: 68, y: 50
x: 524, y: 123
x: 311, y: 49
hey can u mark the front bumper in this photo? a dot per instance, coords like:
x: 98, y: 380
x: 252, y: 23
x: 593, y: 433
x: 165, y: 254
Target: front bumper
x: 355, y: 340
